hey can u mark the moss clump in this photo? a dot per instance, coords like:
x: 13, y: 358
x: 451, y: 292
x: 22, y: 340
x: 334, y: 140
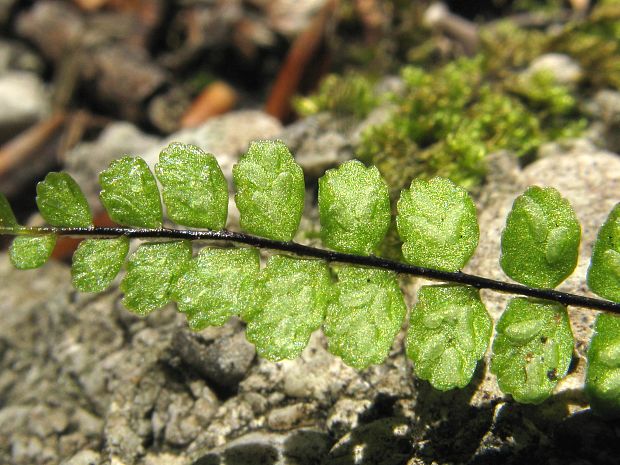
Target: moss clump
x: 507, y: 47
x: 348, y: 95
x: 447, y: 121
x: 595, y: 44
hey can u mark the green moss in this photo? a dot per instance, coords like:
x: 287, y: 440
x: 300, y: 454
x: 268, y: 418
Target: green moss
x: 542, y: 91
x: 507, y: 47
x: 348, y: 95
x: 595, y: 44
x: 447, y: 121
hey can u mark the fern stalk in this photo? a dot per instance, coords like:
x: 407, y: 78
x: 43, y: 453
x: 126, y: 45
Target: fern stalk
x: 479, y: 282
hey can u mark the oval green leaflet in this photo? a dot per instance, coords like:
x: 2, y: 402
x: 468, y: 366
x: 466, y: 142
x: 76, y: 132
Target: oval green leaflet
x: 285, y: 305
x: 62, y: 203
x: 354, y: 208
x: 438, y: 225
x: 152, y: 273
x: 130, y: 194
x: 603, y: 372
x: 532, y: 349
x: 7, y: 217
x: 365, y: 314
x: 270, y: 191
x: 28, y: 252
x: 449, y: 331
x: 604, y: 271
x: 194, y: 189
x: 209, y: 291
x: 540, y: 243
x: 96, y: 262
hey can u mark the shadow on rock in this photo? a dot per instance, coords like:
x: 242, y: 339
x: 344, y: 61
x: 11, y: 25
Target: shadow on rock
x: 547, y: 433
x: 449, y: 428
x: 381, y: 442
x: 243, y: 454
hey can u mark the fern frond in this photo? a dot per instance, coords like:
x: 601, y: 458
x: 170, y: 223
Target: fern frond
x: 358, y: 302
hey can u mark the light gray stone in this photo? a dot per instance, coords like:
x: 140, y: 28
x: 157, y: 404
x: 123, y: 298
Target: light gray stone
x: 85, y: 457
x: 564, y: 69
x: 222, y: 360
x: 225, y: 136
x: 24, y: 100
x: 605, y: 108
x: 319, y: 142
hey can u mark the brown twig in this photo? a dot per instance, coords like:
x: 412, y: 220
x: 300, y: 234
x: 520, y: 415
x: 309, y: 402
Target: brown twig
x: 23, y: 148
x: 301, y: 54
x: 215, y: 99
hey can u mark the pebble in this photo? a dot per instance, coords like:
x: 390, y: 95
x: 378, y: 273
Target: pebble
x: 564, y: 69
x: 23, y: 101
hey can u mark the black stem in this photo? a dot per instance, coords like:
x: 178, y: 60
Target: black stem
x: 330, y: 256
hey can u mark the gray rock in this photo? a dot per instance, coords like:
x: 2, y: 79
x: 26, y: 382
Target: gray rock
x: 85, y: 457
x: 165, y: 459
x: 319, y: 142
x: 166, y: 109
x: 346, y: 415
x: 23, y: 101
x: 222, y: 358
x: 564, y: 69
x: 225, y: 136
x: 61, y: 17
x: 286, y: 418
x: 605, y: 107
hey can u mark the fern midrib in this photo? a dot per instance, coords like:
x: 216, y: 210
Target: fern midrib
x: 476, y: 281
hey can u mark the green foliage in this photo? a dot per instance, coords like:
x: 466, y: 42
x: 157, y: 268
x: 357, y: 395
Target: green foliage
x: 354, y: 208
x: 438, y: 225
x: 130, y: 195
x: 194, y: 188
x: 209, y: 290
x: 540, y: 243
x: 448, y: 120
x: 270, y: 190
x: 542, y: 90
x: 351, y: 94
x: 595, y: 44
x: 28, y: 252
x: 286, y: 304
x: 449, y: 331
x: 603, y: 373
x: 604, y: 271
x: 365, y: 314
x: 62, y: 203
x: 96, y: 262
x: 506, y: 47
x: 532, y: 349
x: 152, y: 273
x: 7, y: 217
x: 361, y: 308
